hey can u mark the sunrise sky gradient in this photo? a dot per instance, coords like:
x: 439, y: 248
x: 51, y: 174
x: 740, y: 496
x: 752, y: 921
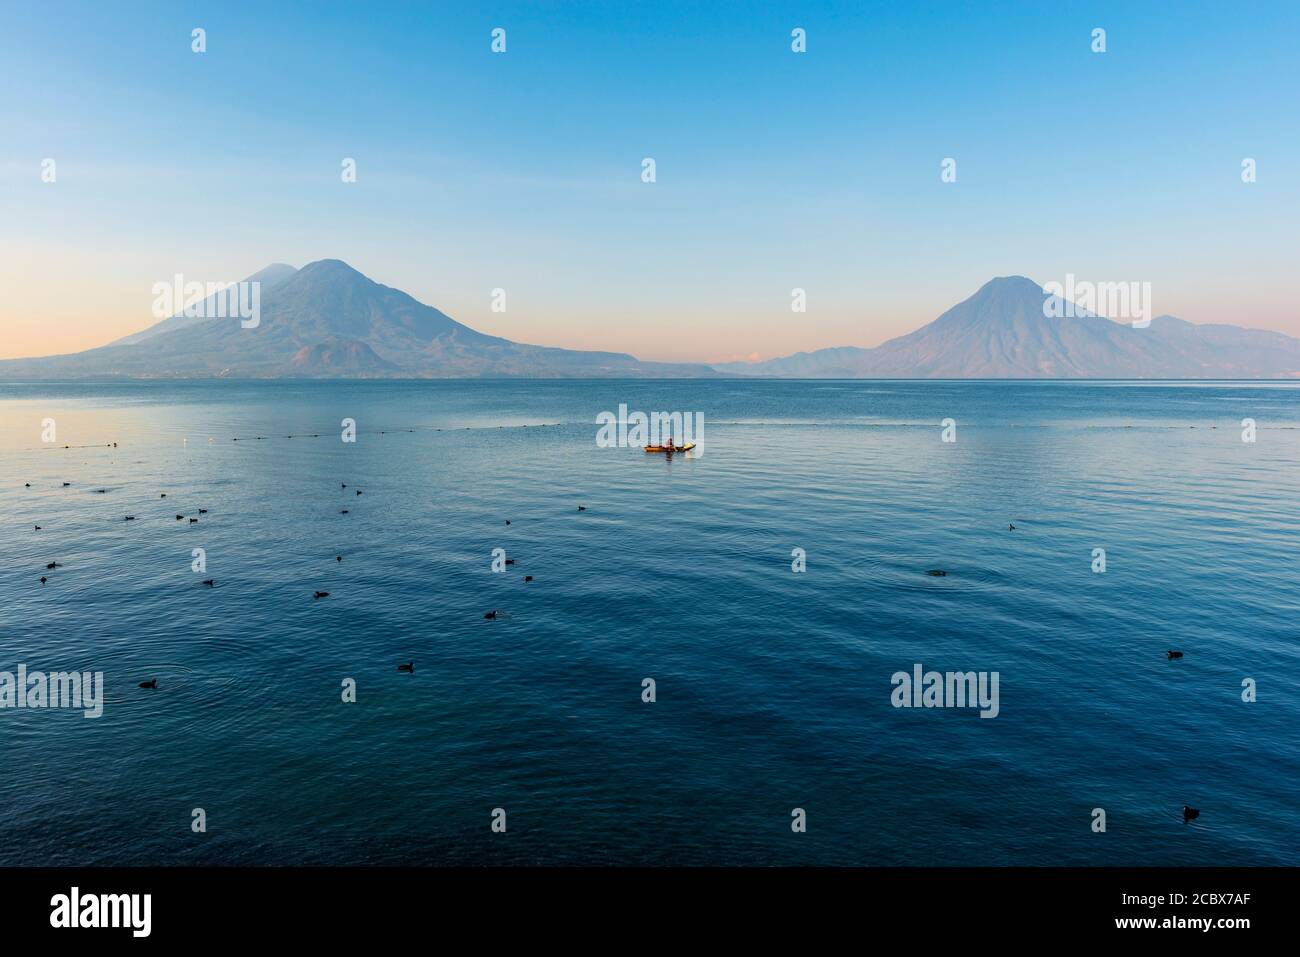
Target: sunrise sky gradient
x: 522, y: 170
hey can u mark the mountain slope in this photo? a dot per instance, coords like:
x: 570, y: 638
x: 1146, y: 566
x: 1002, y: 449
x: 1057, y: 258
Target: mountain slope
x: 1001, y: 332
x: 327, y: 319
x: 336, y: 354
x: 270, y: 276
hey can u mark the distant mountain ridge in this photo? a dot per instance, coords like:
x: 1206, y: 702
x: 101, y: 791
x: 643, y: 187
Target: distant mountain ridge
x: 1002, y: 331
x: 328, y: 320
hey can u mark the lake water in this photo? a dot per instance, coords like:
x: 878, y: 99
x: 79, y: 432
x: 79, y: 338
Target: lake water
x: 773, y: 688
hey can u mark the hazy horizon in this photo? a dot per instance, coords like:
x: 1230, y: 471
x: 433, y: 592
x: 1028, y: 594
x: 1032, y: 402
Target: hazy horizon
x: 522, y: 170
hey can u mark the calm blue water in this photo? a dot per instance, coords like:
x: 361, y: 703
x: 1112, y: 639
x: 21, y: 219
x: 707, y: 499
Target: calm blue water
x: 773, y: 687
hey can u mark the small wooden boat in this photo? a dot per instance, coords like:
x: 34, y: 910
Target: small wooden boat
x: 670, y: 449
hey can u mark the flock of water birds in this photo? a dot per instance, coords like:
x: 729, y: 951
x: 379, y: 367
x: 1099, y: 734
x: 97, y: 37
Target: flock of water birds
x: 407, y: 668
x: 1189, y: 813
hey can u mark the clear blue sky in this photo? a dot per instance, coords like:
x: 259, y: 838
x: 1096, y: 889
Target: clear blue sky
x: 775, y: 170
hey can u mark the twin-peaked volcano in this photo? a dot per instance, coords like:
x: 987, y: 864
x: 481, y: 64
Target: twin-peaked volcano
x: 327, y: 319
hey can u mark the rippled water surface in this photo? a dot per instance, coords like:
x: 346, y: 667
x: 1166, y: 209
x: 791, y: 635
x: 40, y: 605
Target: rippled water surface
x: 773, y: 688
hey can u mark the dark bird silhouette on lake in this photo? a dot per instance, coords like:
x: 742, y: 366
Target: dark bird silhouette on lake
x: 128, y: 518
x: 507, y: 521
x: 582, y: 508
x: 38, y: 528
x: 358, y: 491
x: 528, y: 578
x: 322, y: 594
x: 1011, y: 528
x: 100, y: 491
x: 491, y: 616
x: 937, y: 573
x: 343, y: 511
x: 149, y: 684
x: 338, y: 558
x: 343, y: 485
x: 179, y: 517
x: 209, y: 582
x: 54, y: 565
x: 409, y: 667
x: 43, y: 579
x: 66, y: 484
x: 1190, y: 814
x: 203, y: 511
x: 1174, y: 654
x: 510, y: 561
x: 163, y: 495
x: 194, y: 521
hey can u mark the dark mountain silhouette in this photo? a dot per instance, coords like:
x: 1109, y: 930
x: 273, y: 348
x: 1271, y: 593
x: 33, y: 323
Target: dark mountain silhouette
x: 1002, y: 332
x: 327, y: 319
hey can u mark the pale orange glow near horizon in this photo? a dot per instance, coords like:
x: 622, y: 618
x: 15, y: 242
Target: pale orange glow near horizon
x: 62, y: 301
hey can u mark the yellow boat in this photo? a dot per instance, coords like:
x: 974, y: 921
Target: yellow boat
x: 670, y: 448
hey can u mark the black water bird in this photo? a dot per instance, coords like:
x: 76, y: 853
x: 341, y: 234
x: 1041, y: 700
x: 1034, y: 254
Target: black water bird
x: 343, y: 485
x: 100, y: 491
x: 43, y: 579
x: 1174, y: 654
x: 1011, y: 528
x: 491, y: 616
x: 582, y: 508
x: 149, y: 684
x: 528, y: 578
x: 409, y: 667
x: 937, y: 573
x: 194, y: 521
x: 38, y: 528
x: 510, y: 561
x: 163, y: 495
x: 209, y: 582
x: 128, y: 518
x: 179, y: 517
x: 322, y: 594
x: 54, y: 565
x: 343, y: 511
x: 358, y: 491
x: 338, y: 558
x: 1190, y: 814
x: 66, y: 484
